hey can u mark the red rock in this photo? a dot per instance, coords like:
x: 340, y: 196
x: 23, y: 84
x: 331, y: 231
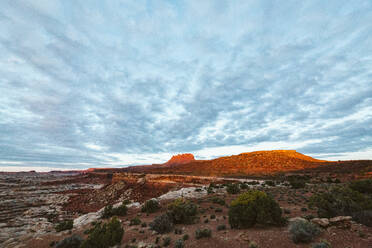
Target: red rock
x: 180, y: 159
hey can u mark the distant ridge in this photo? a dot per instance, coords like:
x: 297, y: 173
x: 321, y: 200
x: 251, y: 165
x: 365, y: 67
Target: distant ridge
x: 259, y: 162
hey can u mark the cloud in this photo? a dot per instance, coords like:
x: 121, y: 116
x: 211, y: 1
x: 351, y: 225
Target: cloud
x: 115, y: 83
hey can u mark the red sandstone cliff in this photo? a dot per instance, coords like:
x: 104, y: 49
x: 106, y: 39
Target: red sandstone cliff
x: 261, y: 162
x: 180, y: 159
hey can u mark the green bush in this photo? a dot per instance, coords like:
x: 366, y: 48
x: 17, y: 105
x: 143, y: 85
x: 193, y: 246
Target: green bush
x: 302, y: 231
x: 64, y: 225
x: 244, y: 186
x: 110, y: 211
x: 254, y: 207
x: 167, y: 241
x: 363, y: 217
x: 270, y: 183
x: 203, y: 233
x: 135, y: 221
x: 298, y: 182
x: 73, y: 241
x: 233, y: 188
x: 362, y: 186
x: 221, y: 227
x: 252, y: 182
x: 210, y: 190
x: 104, y: 236
x: 252, y: 244
x: 218, y: 200
x: 179, y: 244
x: 322, y: 244
x: 162, y: 224
x: 182, y: 211
x: 340, y: 200
x: 185, y: 237
x: 150, y: 206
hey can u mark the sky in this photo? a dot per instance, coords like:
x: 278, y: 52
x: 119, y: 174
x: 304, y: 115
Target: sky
x: 115, y: 83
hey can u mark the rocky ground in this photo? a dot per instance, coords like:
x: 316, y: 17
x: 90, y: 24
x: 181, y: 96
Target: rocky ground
x: 341, y: 232
x: 31, y: 204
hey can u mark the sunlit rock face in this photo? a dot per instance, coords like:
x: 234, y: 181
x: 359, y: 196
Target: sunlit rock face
x: 181, y: 159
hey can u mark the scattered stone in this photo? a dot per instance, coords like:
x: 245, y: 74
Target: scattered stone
x: 296, y: 219
x: 323, y: 222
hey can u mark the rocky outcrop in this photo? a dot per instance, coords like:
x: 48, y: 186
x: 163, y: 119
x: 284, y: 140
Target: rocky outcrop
x: 343, y: 222
x: 180, y: 159
x: 252, y: 163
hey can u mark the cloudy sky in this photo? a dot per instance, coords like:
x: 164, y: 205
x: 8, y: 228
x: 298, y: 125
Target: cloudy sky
x: 113, y: 83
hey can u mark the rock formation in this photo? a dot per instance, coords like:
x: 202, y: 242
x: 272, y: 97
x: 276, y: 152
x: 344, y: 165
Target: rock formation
x: 180, y: 159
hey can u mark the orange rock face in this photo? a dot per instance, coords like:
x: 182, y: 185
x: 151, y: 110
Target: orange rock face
x: 252, y: 163
x: 181, y: 159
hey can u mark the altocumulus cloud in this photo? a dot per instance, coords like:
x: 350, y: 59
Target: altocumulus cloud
x: 113, y: 83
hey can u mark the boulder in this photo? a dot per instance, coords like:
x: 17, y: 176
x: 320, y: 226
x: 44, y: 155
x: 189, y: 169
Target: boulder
x: 296, y: 219
x: 343, y: 222
x: 323, y: 222
x: 340, y: 219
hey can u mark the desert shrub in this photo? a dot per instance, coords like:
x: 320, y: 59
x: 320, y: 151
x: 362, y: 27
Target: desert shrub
x: 150, y: 206
x: 338, y: 201
x: 233, y: 188
x: 64, y: 225
x: 144, y: 224
x: 185, y: 237
x: 167, y: 241
x: 104, y: 236
x: 252, y: 182
x: 120, y: 211
x: 182, y: 211
x: 107, y: 212
x: 337, y: 180
x: 218, y: 200
x: 73, y: 241
x: 362, y: 186
x: 135, y: 221
x: 218, y: 210
x: 203, y: 233
x: 309, y: 217
x: 213, y: 216
x: 270, y: 183
x: 244, y: 186
x: 179, y: 244
x: 252, y: 244
x: 254, y: 207
x: 364, y: 217
x: 302, y: 231
x: 221, y: 227
x: 287, y: 211
x: 322, y: 244
x: 177, y: 231
x: 162, y: 224
x: 110, y: 211
x: 298, y: 182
